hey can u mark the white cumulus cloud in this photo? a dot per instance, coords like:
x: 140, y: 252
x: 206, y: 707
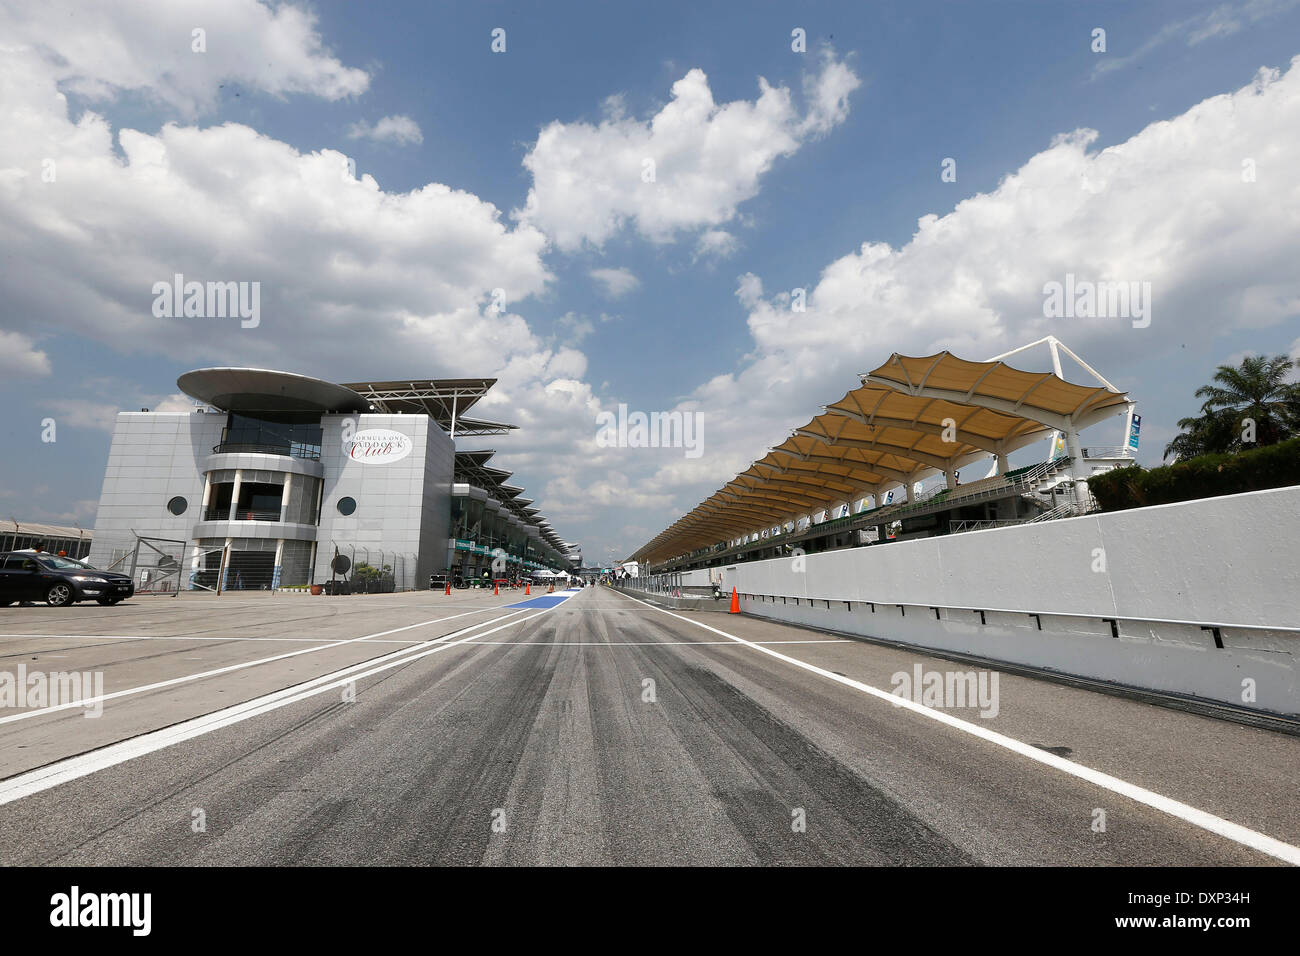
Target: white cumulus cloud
x: 1170, y: 206
x: 179, y: 52
x: 401, y: 130
x: 686, y: 168
x: 20, y: 358
x: 616, y: 282
x: 715, y: 244
x: 355, y: 281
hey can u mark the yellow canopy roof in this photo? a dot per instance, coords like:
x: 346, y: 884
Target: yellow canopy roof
x: 912, y: 417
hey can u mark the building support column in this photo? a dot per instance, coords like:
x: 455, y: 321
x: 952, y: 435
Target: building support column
x: 234, y: 495
x: 277, y: 567
x: 1078, y: 468
x: 225, y: 570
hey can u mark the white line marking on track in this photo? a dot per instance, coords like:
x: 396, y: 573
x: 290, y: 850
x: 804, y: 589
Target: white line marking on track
x: 648, y: 643
x: 1189, y: 814
x: 73, y: 768
x: 222, y: 638
x: 223, y: 670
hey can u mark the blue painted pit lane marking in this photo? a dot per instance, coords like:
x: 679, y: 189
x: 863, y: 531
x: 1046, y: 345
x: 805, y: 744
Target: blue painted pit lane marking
x: 546, y: 600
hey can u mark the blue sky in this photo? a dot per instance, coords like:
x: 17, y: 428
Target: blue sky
x: 991, y: 85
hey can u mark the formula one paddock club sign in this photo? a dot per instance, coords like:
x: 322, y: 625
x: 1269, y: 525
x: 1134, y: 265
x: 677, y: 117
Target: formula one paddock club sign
x: 378, y: 446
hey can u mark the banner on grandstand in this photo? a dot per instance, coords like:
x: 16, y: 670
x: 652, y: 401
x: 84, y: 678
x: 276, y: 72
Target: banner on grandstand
x: 1058, y: 446
x: 1133, y: 432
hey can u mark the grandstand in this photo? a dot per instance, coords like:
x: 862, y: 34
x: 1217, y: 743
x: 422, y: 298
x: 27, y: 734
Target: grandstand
x: 21, y: 535
x: 911, y: 419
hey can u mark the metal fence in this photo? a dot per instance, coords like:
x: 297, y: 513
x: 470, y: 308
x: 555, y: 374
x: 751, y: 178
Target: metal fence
x: 165, y: 566
x: 365, y: 570
x: 155, y: 565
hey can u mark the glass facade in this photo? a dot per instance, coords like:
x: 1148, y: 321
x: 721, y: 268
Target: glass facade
x: 480, y: 527
x: 261, y: 497
x: 296, y: 439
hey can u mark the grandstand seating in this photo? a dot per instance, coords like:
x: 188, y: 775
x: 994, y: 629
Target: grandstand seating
x: 1030, y: 481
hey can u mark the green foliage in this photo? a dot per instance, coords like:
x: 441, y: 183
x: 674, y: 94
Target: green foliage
x: 1205, y: 476
x: 1257, y: 391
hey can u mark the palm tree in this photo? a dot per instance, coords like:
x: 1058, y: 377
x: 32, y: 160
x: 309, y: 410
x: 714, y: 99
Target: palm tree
x: 1258, y: 390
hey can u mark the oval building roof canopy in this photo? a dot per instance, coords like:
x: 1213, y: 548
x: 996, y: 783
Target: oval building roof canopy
x: 266, y: 390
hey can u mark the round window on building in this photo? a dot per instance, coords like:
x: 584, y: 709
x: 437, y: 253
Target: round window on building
x: 177, y: 505
x: 347, y: 505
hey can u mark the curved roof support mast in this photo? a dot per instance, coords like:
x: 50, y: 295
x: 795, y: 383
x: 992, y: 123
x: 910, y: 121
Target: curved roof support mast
x: 1074, y: 447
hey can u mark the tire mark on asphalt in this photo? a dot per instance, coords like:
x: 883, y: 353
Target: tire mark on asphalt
x: 848, y: 820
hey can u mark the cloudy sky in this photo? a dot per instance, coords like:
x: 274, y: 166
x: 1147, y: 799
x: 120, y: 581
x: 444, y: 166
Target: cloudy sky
x: 647, y: 185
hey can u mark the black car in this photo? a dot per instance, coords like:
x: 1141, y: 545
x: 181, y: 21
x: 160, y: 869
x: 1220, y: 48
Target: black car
x: 58, y: 581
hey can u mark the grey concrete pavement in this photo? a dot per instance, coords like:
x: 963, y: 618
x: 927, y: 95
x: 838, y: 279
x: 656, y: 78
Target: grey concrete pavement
x: 606, y: 731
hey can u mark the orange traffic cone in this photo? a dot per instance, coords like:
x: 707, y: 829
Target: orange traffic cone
x: 735, y: 602
x: 496, y: 589
x: 448, y: 591
x: 528, y: 589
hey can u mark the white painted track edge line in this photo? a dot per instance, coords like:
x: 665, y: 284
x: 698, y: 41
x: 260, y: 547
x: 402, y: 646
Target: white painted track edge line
x: 224, y: 639
x: 649, y: 643
x: 73, y: 768
x: 1182, y: 811
x: 230, y: 668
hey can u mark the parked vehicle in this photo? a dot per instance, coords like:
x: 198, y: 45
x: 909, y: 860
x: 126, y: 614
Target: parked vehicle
x: 58, y: 581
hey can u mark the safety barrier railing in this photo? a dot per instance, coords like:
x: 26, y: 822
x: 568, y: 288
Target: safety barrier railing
x: 1060, y: 511
x: 1111, y: 619
x: 983, y: 524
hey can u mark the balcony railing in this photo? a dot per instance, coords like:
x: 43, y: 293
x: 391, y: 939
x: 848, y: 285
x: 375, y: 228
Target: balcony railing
x: 288, y: 450
x: 1107, y: 451
x: 240, y: 514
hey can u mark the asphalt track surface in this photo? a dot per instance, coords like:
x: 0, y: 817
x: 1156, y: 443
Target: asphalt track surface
x: 421, y: 729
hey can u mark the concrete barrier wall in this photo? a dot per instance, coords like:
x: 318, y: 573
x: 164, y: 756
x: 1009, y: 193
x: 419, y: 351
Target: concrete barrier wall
x: 1230, y: 562
x: 697, y: 579
x: 686, y: 603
